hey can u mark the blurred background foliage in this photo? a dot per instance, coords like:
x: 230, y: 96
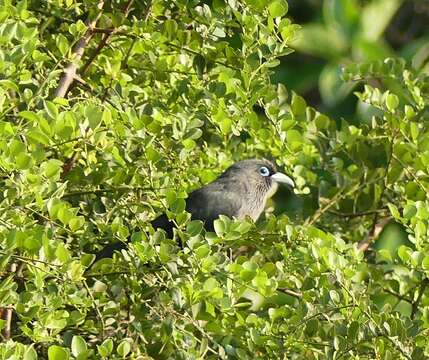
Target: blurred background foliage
x: 335, y: 33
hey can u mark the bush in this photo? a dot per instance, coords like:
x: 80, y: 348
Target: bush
x: 167, y: 95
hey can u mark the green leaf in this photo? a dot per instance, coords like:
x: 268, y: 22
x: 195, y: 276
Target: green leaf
x: 194, y: 227
x: 409, y: 211
x: 298, y: 104
x: 409, y: 111
x: 335, y: 297
x: 178, y: 206
x: 225, y: 125
x: 16, y: 147
x: 210, y: 284
x: 58, y: 353
x: 23, y: 161
x: 30, y: 354
x: 425, y: 263
x: 152, y: 154
x: 392, y: 102
x: 394, y: 211
x: 124, y: 348
x: 294, y: 139
x: 404, y: 253
x: 219, y: 227
x: 78, y: 346
x: 170, y: 27
x: 202, y: 251
x: 343, y: 14
x: 29, y: 115
x: 51, y: 109
x: 199, y: 64
x: 414, y: 129
x: 62, y: 44
x: 332, y: 87
x: 106, y: 348
x: 37, y: 136
x: 62, y: 253
x: 76, y: 223
x: 94, y: 115
x: 278, y: 8
x: 322, y: 121
x: 52, y: 168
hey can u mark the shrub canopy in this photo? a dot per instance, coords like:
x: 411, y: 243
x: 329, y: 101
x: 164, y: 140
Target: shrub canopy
x: 112, y: 111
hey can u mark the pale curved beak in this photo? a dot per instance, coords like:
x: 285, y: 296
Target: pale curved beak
x: 282, y: 179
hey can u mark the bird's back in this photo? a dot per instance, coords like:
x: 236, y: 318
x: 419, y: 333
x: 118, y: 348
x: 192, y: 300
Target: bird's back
x: 223, y: 197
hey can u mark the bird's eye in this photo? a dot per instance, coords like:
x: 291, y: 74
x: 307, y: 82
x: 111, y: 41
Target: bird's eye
x: 263, y: 170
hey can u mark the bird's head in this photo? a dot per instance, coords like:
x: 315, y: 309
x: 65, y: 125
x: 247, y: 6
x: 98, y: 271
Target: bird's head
x: 260, y: 176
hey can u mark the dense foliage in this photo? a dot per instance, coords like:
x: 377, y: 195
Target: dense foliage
x: 112, y: 111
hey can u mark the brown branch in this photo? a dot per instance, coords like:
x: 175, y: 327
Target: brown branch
x: 7, y: 315
x: 71, y: 70
x: 7, y: 312
x: 107, y: 34
x: 97, y: 51
x: 376, y: 229
x: 69, y: 165
x: 70, y: 73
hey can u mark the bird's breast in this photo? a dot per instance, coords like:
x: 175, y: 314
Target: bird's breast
x: 256, y: 202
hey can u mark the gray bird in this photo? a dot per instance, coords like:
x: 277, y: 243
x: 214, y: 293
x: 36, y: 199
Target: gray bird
x: 241, y: 191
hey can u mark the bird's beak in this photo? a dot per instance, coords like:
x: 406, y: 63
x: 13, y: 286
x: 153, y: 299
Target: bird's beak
x: 282, y: 178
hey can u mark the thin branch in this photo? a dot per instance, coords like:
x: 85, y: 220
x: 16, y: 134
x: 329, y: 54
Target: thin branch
x: 337, y: 197
x: 415, y: 304
x: 377, y: 226
x: 71, y: 70
x: 291, y: 293
x: 355, y: 214
x: 7, y: 312
x: 97, y: 51
x: 410, y: 173
x: 380, y: 331
x: 104, y: 191
x: 94, y: 305
x: 399, y: 296
x: 103, y: 42
x: 18, y: 257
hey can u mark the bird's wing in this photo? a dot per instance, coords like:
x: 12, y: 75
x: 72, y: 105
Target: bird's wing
x: 210, y: 201
x: 162, y: 222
